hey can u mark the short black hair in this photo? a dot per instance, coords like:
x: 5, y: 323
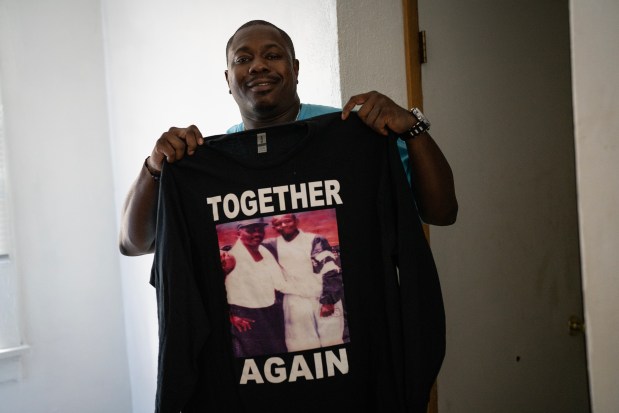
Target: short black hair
x: 250, y: 23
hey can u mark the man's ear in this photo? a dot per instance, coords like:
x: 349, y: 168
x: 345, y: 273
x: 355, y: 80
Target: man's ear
x: 227, y: 81
x: 295, y: 67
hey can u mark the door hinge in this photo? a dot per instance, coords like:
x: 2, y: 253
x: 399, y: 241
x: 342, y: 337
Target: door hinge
x: 423, y: 51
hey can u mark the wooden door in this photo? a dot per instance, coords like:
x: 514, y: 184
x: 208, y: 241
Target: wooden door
x: 497, y: 88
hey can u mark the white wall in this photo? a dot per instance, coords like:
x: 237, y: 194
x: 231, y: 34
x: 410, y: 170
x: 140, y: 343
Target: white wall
x: 51, y: 67
x: 165, y: 67
x: 595, y: 59
x: 371, y: 48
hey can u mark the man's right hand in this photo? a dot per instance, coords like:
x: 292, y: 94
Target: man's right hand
x: 242, y: 324
x: 173, y: 145
x: 139, y: 215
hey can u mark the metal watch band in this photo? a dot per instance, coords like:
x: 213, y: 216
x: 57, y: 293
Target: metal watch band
x: 417, y: 129
x: 422, y: 125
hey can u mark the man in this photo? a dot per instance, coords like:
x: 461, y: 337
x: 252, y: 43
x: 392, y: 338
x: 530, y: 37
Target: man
x: 256, y: 316
x: 313, y: 310
x: 262, y: 75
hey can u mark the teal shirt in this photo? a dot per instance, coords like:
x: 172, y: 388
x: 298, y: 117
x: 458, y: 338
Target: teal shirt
x: 309, y: 111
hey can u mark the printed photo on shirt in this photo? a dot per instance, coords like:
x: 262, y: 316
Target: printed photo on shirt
x: 284, y: 285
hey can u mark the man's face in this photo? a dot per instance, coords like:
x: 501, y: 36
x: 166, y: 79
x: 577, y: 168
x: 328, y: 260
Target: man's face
x: 285, y: 224
x: 252, y: 235
x: 262, y: 75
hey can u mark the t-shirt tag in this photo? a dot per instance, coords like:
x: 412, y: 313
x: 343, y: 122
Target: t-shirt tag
x: 261, y: 141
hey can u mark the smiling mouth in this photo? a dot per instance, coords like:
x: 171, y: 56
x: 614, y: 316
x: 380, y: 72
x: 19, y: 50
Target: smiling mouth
x: 261, y: 84
x: 261, y: 87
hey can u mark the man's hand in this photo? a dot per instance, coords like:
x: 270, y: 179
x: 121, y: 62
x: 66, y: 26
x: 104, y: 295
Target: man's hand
x: 240, y: 323
x: 139, y: 215
x: 173, y: 145
x: 432, y: 179
x: 228, y: 262
x: 327, y: 309
x: 380, y: 113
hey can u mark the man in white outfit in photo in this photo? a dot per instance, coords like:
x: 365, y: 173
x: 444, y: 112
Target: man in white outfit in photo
x: 313, y: 310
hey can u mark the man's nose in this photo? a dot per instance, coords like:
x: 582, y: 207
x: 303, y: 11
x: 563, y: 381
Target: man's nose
x: 258, y: 65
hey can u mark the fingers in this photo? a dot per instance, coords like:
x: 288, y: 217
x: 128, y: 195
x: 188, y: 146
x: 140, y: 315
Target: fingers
x: 379, y: 112
x: 374, y: 116
x: 192, y: 137
x: 242, y: 324
x: 373, y: 111
x: 173, y: 144
x: 352, y: 102
x: 247, y: 324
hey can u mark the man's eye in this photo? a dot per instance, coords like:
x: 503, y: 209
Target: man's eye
x: 240, y: 60
x: 273, y: 56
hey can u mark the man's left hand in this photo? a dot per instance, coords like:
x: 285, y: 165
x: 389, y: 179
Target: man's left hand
x: 380, y: 113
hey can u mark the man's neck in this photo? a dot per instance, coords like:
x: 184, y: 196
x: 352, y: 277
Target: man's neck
x: 254, y: 121
x: 290, y: 237
x: 255, y: 254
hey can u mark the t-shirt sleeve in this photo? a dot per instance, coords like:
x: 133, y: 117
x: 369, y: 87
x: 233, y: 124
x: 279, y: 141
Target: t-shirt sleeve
x: 420, y: 302
x: 183, y: 324
x: 325, y: 264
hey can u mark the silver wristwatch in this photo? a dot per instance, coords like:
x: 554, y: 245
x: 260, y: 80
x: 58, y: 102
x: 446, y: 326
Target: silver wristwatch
x: 422, y: 125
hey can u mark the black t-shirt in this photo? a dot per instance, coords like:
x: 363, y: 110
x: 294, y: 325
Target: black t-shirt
x: 343, y: 183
